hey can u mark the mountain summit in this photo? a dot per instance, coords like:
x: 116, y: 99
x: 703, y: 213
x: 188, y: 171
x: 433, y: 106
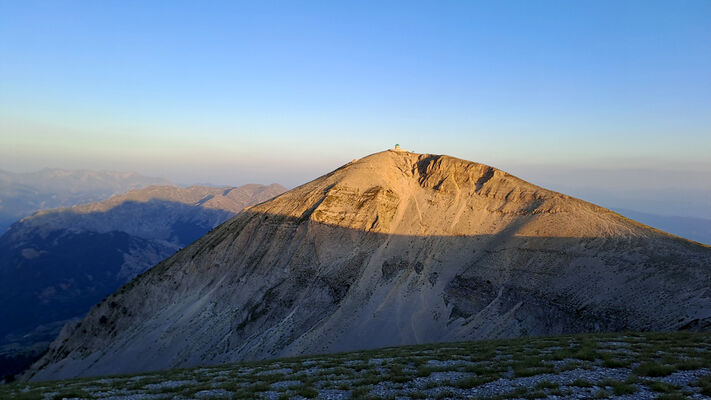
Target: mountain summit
x: 395, y: 248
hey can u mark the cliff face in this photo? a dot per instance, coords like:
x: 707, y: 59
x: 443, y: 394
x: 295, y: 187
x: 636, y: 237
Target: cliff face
x: 395, y: 248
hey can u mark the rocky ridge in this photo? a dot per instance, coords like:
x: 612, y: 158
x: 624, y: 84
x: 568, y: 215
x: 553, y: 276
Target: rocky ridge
x: 22, y: 194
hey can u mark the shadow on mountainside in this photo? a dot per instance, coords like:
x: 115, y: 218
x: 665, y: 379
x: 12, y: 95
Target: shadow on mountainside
x: 266, y: 285
x: 54, y: 266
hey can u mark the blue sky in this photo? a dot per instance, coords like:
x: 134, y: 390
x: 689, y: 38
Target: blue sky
x: 231, y: 92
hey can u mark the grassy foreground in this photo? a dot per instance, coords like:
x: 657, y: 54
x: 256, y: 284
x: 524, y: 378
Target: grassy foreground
x: 621, y: 365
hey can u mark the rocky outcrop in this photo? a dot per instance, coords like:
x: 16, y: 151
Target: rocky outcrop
x: 395, y: 248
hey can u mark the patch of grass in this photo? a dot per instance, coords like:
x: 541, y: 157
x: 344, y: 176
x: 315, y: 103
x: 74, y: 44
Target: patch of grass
x: 634, y: 379
x: 661, y: 387
x: 654, y: 369
x: 559, y: 355
x: 526, y: 372
x: 258, y: 387
x: 436, y: 384
x: 529, y: 362
x: 399, y: 378
x: 484, y: 369
x: 371, y: 377
x: 191, y: 390
x: 71, y: 393
x: 619, y: 388
x: 569, y: 366
x: 582, y: 383
x: 424, y: 371
x: 612, y: 362
x: 340, y: 372
x: 518, y: 392
x: 585, y: 354
x: 272, y: 378
x: 535, y: 395
x: 26, y: 396
x: 360, y: 392
x: 690, y: 364
x: 417, y: 395
x: 306, y: 391
x: 444, y: 394
x: 704, y: 383
x: 485, y: 355
x: 362, y: 366
x: 472, y: 382
x: 547, y: 385
x: 671, y: 396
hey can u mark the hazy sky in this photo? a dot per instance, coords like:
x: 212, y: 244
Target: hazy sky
x: 232, y: 92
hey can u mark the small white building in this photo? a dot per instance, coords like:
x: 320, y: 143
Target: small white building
x: 397, y: 148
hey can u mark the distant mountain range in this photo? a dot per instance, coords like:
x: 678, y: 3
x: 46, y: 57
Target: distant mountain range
x: 56, y: 264
x: 21, y: 194
x: 391, y: 249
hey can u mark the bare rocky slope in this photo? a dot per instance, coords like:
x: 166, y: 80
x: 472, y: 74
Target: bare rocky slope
x: 58, y: 263
x: 395, y: 248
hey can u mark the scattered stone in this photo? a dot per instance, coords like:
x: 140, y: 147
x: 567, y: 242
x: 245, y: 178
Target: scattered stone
x: 402, y: 376
x: 169, y: 384
x: 280, y: 371
x: 208, y: 394
x: 284, y: 385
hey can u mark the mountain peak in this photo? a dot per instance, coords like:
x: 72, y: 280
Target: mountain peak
x: 400, y: 192
x: 390, y: 249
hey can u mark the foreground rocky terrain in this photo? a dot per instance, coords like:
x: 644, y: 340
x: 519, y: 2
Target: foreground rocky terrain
x: 392, y: 249
x: 615, y: 366
x: 58, y: 263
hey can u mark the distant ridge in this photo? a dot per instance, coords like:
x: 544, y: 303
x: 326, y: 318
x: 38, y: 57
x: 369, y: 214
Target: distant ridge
x: 21, y: 194
x: 394, y: 248
x: 698, y: 229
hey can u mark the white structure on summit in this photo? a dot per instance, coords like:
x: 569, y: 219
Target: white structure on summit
x: 397, y: 148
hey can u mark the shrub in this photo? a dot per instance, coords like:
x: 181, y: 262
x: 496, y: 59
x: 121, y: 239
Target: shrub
x: 581, y: 383
x: 705, y: 383
x: 546, y: 385
x: 306, y: 391
x: 654, y: 369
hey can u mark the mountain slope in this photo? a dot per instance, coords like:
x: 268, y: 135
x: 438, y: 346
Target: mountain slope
x: 395, y: 248
x: 57, y: 263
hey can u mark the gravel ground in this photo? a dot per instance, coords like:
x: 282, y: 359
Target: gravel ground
x: 622, y: 366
